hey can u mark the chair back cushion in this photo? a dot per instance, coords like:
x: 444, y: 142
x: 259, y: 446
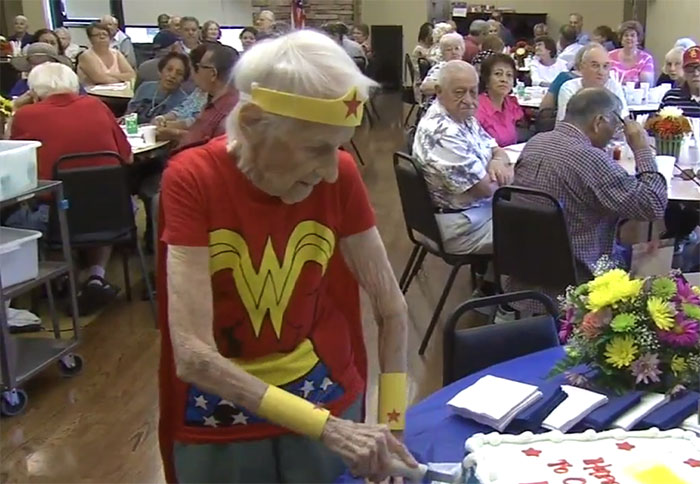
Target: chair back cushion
x: 530, y: 238
x: 478, y: 348
x: 418, y: 209
x: 99, y: 201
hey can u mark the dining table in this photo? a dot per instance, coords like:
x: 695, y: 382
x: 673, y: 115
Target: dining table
x: 533, y: 101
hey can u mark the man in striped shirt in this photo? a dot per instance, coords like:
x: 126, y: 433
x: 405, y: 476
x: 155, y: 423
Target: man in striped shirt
x: 687, y: 97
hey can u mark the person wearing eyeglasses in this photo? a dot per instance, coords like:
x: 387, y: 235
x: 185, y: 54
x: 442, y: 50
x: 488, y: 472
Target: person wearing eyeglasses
x: 595, y: 72
x: 595, y: 192
x: 213, y: 64
x: 101, y: 64
x: 687, y: 96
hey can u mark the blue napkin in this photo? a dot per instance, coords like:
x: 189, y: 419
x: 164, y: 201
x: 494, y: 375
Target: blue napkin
x: 532, y: 417
x: 601, y: 418
x: 672, y: 414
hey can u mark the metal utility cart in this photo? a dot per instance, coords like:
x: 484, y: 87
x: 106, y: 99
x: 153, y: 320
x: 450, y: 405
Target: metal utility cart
x: 23, y: 357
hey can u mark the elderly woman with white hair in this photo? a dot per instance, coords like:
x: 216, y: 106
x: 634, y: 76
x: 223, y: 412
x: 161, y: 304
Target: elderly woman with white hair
x: 70, y: 49
x: 65, y: 122
x: 439, y: 30
x: 267, y: 232
x: 672, y: 70
x: 451, y: 48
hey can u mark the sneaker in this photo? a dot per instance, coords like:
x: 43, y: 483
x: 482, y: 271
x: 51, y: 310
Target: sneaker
x: 504, y: 314
x: 95, y: 294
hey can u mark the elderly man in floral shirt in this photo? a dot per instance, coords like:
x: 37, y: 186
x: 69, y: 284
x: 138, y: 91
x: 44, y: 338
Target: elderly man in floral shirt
x: 462, y: 164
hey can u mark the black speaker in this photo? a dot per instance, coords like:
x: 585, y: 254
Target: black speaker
x: 387, y: 63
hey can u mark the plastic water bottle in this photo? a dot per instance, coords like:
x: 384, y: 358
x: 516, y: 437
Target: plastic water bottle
x: 520, y: 89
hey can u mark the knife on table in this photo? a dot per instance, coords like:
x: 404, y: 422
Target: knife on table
x: 418, y: 474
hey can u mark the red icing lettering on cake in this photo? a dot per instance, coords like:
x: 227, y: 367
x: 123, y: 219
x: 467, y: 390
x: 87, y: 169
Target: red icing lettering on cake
x: 599, y: 470
x: 561, y: 467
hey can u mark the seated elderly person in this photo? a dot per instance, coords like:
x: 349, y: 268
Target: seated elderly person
x: 478, y: 30
x: 119, y: 40
x: 451, y: 48
x: 687, y: 96
x: 70, y: 49
x: 34, y: 55
x: 672, y: 70
x: 491, y: 45
x: 569, y: 44
x: 213, y: 64
x: 184, y: 114
x: 86, y: 124
x: 156, y: 98
x: 100, y: 64
x: 571, y: 164
x: 268, y: 386
x: 462, y: 164
x: 499, y: 110
x: 595, y: 72
x: 549, y: 101
x: 546, y: 65
x: 630, y: 63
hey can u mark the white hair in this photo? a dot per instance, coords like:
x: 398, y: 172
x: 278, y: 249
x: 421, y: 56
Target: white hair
x: 63, y: 29
x: 108, y: 19
x: 440, y: 29
x: 588, y: 48
x: 21, y: 17
x: 450, y: 39
x: 675, y: 53
x: 452, y: 67
x: 52, y: 78
x: 269, y: 14
x: 303, y: 62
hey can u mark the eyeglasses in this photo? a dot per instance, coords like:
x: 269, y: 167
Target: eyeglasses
x: 203, y: 66
x: 619, y: 127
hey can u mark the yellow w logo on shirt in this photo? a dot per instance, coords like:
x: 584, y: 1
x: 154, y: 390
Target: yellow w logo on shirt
x: 270, y: 287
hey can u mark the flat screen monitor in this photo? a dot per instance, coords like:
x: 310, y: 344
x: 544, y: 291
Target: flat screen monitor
x: 141, y: 35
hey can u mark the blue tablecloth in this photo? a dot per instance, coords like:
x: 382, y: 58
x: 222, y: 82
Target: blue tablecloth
x: 434, y: 434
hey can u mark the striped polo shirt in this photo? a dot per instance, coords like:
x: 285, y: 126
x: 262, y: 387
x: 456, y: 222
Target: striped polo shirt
x: 680, y: 97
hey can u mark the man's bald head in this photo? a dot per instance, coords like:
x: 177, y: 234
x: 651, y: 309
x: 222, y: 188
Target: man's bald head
x: 21, y: 25
x: 595, y: 65
x: 458, y: 89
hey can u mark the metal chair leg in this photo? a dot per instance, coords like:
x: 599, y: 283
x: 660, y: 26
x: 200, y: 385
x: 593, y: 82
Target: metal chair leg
x: 127, y: 276
x: 416, y: 267
x: 409, y: 266
x: 438, y: 309
x: 359, y: 155
x: 147, y: 282
x: 410, y: 111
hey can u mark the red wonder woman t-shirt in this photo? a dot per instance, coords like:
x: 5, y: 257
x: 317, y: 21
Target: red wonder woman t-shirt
x: 286, y: 307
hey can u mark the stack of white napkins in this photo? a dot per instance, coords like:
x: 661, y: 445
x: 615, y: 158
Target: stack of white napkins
x: 648, y: 403
x: 494, y: 401
x: 692, y: 423
x: 578, y: 404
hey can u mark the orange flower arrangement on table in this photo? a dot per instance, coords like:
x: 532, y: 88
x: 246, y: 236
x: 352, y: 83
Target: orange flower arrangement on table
x: 668, y: 126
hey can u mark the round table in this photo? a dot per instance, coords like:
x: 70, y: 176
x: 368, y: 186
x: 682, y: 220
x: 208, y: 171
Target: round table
x: 435, y: 434
x: 116, y: 100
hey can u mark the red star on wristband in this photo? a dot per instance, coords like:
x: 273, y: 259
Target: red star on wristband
x: 393, y: 416
x: 532, y: 452
x: 625, y: 446
x: 693, y: 462
x: 352, y: 105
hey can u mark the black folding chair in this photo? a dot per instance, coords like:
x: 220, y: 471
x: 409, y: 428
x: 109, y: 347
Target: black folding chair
x: 408, y: 94
x: 545, y: 119
x: 531, y: 240
x: 100, y: 211
x: 467, y: 351
x: 419, y: 215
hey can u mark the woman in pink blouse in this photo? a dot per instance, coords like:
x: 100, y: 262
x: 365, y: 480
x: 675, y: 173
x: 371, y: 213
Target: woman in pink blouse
x: 630, y: 62
x: 498, y: 111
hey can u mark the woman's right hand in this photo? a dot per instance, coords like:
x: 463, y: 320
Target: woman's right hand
x: 367, y: 449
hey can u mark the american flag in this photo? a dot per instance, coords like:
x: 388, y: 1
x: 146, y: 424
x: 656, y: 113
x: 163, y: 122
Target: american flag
x: 298, y: 14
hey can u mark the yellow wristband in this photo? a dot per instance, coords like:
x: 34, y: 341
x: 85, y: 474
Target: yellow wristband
x: 292, y: 412
x: 392, y: 400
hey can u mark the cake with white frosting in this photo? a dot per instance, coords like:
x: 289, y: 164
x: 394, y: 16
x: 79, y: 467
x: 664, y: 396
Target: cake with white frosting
x: 613, y: 457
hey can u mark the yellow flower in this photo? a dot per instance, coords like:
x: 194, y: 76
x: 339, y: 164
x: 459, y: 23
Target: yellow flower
x: 671, y: 112
x: 621, y: 351
x: 610, y: 288
x: 661, y: 313
x: 520, y: 51
x: 678, y: 364
x: 696, y: 290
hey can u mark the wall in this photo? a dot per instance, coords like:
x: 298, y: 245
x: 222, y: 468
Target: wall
x: 595, y: 12
x: 408, y: 13
x: 317, y: 12
x: 34, y: 11
x: 683, y: 15
x: 226, y: 12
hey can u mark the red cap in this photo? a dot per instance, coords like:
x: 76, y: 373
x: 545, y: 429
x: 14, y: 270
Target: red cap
x: 691, y: 56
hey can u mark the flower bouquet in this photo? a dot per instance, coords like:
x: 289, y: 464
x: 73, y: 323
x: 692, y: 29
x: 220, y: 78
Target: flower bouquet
x: 520, y: 52
x: 668, y: 126
x: 632, y: 333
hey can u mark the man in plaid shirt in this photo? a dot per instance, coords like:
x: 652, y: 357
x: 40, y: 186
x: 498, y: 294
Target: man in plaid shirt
x: 571, y: 164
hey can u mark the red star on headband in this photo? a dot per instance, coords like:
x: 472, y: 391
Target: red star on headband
x: 393, y: 416
x: 625, y: 446
x: 693, y: 462
x: 532, y: 452
x: 352, y: 105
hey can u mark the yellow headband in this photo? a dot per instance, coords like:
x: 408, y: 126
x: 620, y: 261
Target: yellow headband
x: 344, y: 111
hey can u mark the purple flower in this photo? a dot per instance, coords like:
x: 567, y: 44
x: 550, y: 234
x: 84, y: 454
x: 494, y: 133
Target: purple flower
x: 576, y: 379
x: 685, y: 332
x: 684, y: 293
x: 567, y: 326
x: 646, y: 368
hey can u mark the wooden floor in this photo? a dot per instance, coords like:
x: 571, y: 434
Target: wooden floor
x: 101, y: 426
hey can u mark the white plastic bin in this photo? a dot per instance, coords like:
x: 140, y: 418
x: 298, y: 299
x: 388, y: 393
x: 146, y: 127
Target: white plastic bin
x: 17, y: 167
x: 19, y: 256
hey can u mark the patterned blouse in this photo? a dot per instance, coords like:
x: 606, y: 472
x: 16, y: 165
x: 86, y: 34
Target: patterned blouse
x: 645, y: 64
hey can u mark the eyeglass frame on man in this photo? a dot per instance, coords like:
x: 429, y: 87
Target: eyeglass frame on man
x: 691, y: 69
x: 203, y: 66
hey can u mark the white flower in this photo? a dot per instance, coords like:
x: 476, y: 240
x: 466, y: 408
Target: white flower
x: 671, y: 112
